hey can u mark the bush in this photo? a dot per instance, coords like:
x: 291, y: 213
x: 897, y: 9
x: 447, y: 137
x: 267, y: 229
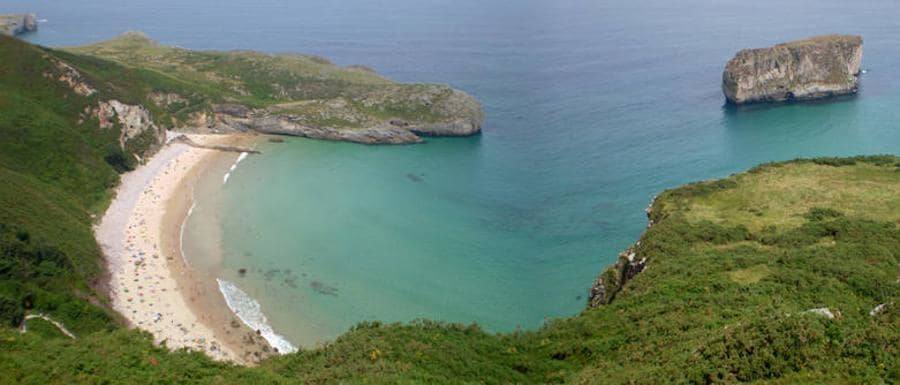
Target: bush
x: 117, y: 158
x: 11, y: 311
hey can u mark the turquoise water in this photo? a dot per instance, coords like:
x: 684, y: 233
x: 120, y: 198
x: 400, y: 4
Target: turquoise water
x: 592, y: 108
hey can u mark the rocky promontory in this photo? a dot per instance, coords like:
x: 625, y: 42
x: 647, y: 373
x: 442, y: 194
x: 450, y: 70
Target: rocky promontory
x: 287, y: 94
x: 813, y: 68
x: 16, y: 24
x: 458, y: 114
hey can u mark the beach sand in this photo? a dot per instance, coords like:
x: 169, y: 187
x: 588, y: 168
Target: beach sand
x: 149, y: 282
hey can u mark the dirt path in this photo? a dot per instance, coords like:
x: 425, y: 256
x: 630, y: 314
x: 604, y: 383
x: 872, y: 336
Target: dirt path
x: 58, y: 325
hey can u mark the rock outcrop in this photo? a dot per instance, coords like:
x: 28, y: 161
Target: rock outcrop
x: 464, y: 112
x: 134, y: 121
x: 17, y: 24
x: 611, y: 280
x: 806, y: 69
x: 69, y: 75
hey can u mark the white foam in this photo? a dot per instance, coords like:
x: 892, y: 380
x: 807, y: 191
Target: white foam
x: 250, y: 313
x: 233, y: 166
x: 181, y: 234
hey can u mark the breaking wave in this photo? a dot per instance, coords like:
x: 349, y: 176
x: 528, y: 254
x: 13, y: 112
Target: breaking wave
x: 233, y: 166
x: 249, y: 311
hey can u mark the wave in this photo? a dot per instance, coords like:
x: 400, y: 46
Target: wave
x: 181, y: 233
x: 233, y: 166
x: 249, y: 311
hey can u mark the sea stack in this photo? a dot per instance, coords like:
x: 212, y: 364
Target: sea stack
x: 16, y: 24
x: 807, y: 69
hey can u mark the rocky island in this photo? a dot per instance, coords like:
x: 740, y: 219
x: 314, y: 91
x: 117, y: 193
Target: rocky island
x: 12, y: 25
x: 813, y: 68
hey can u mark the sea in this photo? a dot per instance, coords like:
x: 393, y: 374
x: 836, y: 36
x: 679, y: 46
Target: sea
x: 593, y: 107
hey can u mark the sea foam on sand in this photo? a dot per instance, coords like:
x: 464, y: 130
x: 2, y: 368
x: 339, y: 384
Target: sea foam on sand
x: 250, y: 312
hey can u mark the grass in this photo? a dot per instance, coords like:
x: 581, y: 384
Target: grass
x: 800, y: 187
x: 749, y: 275
x: 261, y: 80
x: 734, y: 266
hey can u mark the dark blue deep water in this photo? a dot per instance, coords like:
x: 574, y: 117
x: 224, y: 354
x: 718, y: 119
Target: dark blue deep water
x: 592, y: 108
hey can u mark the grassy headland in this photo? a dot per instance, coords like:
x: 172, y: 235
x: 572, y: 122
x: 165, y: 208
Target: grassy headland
x: 734, y: 266
x: 287, y: 93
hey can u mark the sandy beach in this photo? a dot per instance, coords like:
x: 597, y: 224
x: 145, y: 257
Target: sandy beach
x: 149, y: 282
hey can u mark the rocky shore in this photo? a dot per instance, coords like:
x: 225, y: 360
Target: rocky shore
x: 17, y: 24
x: 813, y: 68
x: 465, y: 119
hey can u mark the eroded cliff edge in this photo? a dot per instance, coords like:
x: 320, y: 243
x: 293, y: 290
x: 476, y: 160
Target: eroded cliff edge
x: 812, y: 68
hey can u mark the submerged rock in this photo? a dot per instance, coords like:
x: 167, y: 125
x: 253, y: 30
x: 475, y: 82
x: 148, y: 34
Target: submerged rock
x: 806, y: 69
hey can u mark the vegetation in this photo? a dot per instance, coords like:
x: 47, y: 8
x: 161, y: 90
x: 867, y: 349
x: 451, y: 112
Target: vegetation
x: 317, y: 92
x: 734, y: 267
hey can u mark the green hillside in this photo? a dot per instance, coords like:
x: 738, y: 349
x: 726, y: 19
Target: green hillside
x: 734, y: 266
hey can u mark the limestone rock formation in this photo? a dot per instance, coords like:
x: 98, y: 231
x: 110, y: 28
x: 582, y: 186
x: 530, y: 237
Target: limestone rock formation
x: 611, y: 280
x: 133, y: 120
x: 464, y: 117
x: 806, y: 69
x: 16, y: 24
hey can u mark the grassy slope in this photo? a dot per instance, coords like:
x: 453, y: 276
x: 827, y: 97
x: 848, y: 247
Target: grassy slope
x: 733, y: 266
x: 294, y: 84
x: 54, y: 177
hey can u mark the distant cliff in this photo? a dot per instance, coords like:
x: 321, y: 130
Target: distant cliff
x: 806, y: 69
x: 15, y: 24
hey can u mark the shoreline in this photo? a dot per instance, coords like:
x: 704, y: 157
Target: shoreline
x: 149, y: 281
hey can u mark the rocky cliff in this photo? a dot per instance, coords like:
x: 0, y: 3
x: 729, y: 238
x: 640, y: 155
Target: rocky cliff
x: 806, y: 69
x: 629, y: 264
x: 15, y: 24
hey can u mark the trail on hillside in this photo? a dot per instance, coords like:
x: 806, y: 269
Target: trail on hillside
x: 58, y: 325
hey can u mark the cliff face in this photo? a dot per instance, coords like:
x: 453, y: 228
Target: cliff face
x: 134, y: 122
x: 611, y: 280
x: 138, y: 134
x: 15, y: 24
x: 807, y: 69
